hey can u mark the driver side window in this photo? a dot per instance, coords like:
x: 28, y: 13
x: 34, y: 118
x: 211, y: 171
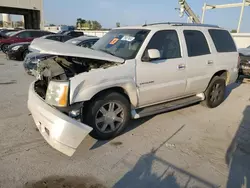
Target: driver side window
x: 167, y: 42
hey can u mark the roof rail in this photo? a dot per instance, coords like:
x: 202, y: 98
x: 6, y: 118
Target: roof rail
x: 182, y: 24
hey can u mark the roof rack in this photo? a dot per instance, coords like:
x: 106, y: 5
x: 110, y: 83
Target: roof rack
x: 182, y: 24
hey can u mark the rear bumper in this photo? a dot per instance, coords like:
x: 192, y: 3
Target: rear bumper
x: 59, y: 130
x: 233, y: 76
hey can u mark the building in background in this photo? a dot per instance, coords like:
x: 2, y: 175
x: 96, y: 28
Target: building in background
x: 32, y: 11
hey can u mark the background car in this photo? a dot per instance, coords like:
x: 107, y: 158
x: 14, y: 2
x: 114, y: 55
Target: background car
x: 74, y: 33
x: 31, y: 60
x: 83, y: 41
x: 19, y: 51
x: 21, y: 36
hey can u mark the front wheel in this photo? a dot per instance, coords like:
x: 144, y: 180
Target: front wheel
x: 25, y: 53
x: 215, y: 93
x: 4, y: 48
x: 108, y: 115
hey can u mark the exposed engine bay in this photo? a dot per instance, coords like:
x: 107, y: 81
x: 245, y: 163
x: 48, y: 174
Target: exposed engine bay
x: 63, y: 68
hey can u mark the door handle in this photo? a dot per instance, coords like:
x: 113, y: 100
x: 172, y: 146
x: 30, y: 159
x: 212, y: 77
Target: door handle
x: 210, y: 62
x: 181, y: 66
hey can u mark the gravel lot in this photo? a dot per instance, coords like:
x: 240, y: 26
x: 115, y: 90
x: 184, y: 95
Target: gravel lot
x: 190, y: 147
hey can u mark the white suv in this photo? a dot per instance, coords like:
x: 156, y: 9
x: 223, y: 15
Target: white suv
x: 131, y: 72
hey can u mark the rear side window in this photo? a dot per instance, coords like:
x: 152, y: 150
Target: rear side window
x: 56, y: 38
x: 196, y: 43
x: 222, y: 40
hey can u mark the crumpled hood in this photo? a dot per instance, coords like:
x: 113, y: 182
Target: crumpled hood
x: 57, y: 48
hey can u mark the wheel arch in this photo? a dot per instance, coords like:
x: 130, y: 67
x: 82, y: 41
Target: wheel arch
x: 222, y: 73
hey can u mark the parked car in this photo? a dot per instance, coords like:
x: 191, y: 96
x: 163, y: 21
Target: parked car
x: 84, y: 41
x: 244, y: 69
x: 3, y: 32
x: 21, y: 36
x: 74, y: 33
x: 131, y: 72
x: 20, y: 50
x: 245, y: 51
x: 30, y: 63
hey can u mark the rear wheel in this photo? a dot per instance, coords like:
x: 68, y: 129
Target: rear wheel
x: 4, y: 48
x: 215, y: 93
x: 108, y: 115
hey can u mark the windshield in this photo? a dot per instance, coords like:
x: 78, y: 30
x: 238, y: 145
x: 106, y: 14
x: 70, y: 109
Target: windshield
x: 124, y: 43
x: 11, y: 33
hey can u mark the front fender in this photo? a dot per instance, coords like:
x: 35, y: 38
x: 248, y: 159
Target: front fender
x: 82, y: 93
x: 86, y: 85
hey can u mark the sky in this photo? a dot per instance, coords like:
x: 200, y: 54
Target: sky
x: 134, y: 12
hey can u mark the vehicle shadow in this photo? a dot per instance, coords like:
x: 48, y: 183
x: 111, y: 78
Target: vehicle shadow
x: 65, y: 182
x: 238, y: 155
x: 231, y: 87
x: 153, y: 171
x: 133, y: 124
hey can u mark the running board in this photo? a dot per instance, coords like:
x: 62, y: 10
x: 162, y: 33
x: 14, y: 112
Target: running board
x: 164, y: 107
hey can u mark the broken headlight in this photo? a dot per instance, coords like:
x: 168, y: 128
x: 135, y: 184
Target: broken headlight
x: 57, y: 93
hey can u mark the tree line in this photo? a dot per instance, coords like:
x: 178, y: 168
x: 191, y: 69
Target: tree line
x: 88, y: 24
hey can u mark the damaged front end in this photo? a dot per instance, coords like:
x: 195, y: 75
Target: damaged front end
x: 57, y: 120
x: 244, y: 68
x: 62, y: 68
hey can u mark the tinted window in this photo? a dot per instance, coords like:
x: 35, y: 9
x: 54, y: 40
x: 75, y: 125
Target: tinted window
x: 87, y: 44
x: 56, y: 38
x: 24, y: 34
x: 196, y: 43
x: 36, y: 34
x: 65, y: 38
x: 167, y: 43
x: 222, y: 40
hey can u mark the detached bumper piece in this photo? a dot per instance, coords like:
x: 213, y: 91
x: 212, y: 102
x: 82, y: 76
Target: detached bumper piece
x: 62, y: 132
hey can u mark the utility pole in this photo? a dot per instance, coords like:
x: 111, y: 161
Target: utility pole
x: 241, y: 15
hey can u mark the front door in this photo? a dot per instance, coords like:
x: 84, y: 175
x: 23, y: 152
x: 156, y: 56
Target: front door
x: 165, y: 78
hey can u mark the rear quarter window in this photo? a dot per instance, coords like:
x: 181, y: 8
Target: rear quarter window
x: 223, y: 41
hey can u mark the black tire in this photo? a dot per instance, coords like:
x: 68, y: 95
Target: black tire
x: 92, y: 112
x: 25, y: 53
x: 4, y: 48
x: 215, y: 93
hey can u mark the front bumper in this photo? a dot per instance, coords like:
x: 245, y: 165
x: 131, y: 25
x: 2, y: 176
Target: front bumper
x: 59, y: 130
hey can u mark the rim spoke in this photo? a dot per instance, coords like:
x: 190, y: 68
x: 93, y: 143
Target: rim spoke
x: 103, y: 110
x: 112, y: 126
x: 118, y: 110
x: 111, y: 107
x: 118, y: 119
x: 104, y: 127
x: 100, y: 120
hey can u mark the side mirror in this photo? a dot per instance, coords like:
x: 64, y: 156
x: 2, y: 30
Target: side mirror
x: 154, y: 54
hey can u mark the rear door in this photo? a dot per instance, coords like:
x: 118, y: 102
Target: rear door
x: 199, y: 60
x: 226, y: 51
